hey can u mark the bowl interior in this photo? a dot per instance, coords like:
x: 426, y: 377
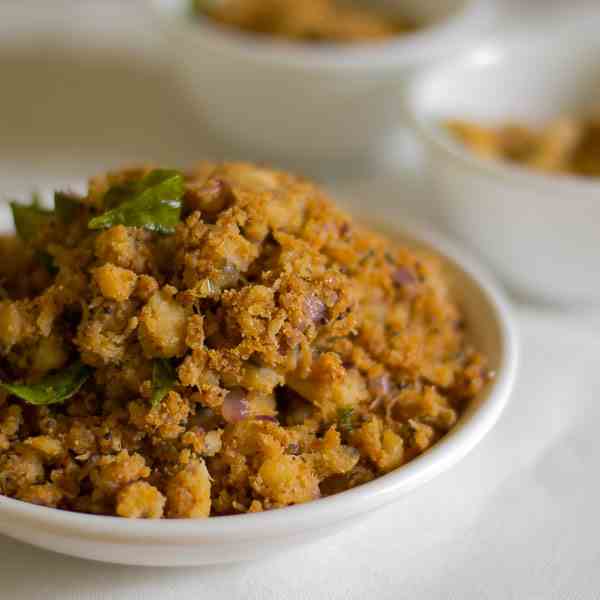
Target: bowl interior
x: 529, y: 78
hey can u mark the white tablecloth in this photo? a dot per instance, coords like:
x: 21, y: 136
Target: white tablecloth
x: 516, y: 519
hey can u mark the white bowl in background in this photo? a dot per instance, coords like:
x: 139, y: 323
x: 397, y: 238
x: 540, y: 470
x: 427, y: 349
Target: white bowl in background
x: 540, y: 232
x: 252, y: 536
x: 285, y: 100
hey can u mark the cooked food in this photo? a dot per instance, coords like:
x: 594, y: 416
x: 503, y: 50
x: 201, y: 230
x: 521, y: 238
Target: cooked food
x: 224, y: 341
x: 305, y: 20
x: 567, y: 145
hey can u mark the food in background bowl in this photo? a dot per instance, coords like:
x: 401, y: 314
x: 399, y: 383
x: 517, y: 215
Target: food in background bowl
x: 305, y: 20
x: 221, y: 342
x: 311, y: 98
x: 566, y: 145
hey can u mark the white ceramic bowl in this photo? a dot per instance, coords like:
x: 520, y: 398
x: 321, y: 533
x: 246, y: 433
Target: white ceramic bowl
x: 237, y: 538
x: 295, y: 101
x: 540, y: 232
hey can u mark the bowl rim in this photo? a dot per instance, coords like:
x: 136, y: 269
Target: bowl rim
x: 497, y: 49
x: 333, y: 509
x: 430, y: 42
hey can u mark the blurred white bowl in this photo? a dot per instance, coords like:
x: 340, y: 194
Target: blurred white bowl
x: 251, y: 536
x: 539, y: 231
x: 292, y: 100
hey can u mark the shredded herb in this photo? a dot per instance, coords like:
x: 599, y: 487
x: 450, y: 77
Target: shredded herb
x: 366, y: 257
x: 53, y: 389
x: 153, y: 203
x: 164, y: 378
x: 345, y: 416
x: 205, y: 288
x: 28, y: 219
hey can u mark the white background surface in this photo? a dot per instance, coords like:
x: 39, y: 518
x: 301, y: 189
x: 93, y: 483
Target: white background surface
x: 81, y: 89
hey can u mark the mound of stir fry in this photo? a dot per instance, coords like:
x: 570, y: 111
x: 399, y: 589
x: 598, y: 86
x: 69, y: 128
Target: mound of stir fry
x: 216, y: 342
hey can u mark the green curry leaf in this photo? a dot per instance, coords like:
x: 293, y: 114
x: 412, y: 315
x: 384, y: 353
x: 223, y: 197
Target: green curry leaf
x: 53, y: 389
x: 29, y: 219
x: 345, y: 418
x: 154, y: 203
x: 120, y: 193
x: 164, y: 378
x: 66, y: 206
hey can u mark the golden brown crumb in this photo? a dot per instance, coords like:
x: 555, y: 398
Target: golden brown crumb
x: 11, y: 419
x: 50, y: 448
x: 140, y: 500
x: 163, y: 326
x: 46, y: 494
x: 12, y: 324
x: 115, y: 472
x: 383, y: 446
x: 20, y: 469
x: 188, y: 492
x: 286, y: 480
x: 115, y: 283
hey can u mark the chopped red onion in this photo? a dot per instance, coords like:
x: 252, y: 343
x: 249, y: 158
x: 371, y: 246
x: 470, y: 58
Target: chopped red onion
x: 352, y: 452
x: 315, y: 309
x: 380, y: 386
x: 215, y: 195
x: 229, y: 276
x: 214, y: 189
x: 268, y: 418
x: 332, y: 297
x: 402, y: 276
x: 235, y: 406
